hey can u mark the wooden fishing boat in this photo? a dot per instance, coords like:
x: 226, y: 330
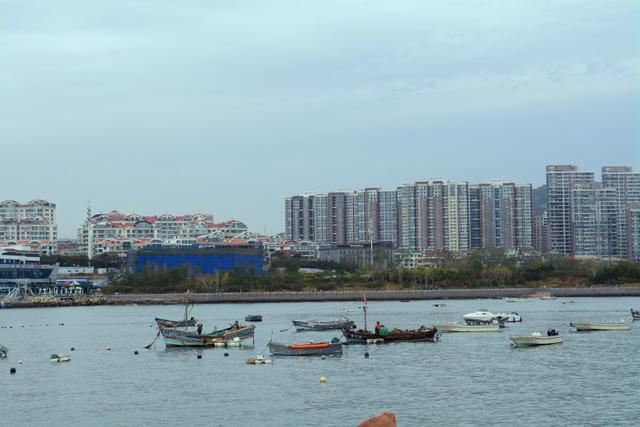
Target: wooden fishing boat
x: 306, y: 349
x: 383, y: 335
x: 176, y: 323
x: 316, y: 325
x: 583, y: 326
x: 635, y: 314
x: 362, y: 336
x: 253, y: 318
x: 174, y: 337
x: 457, y: 327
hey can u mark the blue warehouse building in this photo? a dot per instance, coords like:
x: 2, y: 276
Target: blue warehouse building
x: 206, y: 260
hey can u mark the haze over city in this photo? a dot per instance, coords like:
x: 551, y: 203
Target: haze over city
x: 227, y: 108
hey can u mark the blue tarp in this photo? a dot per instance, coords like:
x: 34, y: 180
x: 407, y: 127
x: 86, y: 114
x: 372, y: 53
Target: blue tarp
x: 205, y: 263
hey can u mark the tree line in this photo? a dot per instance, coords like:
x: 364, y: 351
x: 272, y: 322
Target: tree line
x: 487, y: 268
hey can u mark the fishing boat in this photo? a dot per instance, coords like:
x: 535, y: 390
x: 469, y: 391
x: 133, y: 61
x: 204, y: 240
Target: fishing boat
x: 507, y: 299
x: 635, y: 314
x: 362, y: 336
x: 569, y: 302
x: 536, y: 338
x: 175, y: 337
x: 253, y: 318
x: 457, y: 327
x: 306, y: 349
x: 176, y: 323
x: 583, y: 326
x: 383, y: 334
x: 3, y: 352
x: 316, y: 325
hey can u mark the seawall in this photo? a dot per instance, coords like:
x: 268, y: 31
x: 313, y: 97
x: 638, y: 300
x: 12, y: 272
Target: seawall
x: 429, y: 294
x: 372, y: 295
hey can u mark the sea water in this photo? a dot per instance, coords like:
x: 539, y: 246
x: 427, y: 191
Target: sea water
x: 465, y: 379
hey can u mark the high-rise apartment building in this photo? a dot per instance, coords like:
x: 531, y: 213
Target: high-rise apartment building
x: 540, y: 232
x: 425, y: 217
x: 587, y: 218
x: 33, y: 224
x: 430, y: 213
x: 388, y: 214
x: 594, y: 215
x: 560, y: 181
x: 456, y: 220
x: 524, y: 216
x: 633, y: 232
x: 406, y: 205
x: 626, y: 184
x: 500, y: 215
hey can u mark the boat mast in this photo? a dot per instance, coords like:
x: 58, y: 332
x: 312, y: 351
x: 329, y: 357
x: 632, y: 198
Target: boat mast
x: 364, y: 309
x: 186, y: 309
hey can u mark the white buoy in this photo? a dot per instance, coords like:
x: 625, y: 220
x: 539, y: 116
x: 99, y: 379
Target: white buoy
x: 108, y: 348
x: 323, y: 380
x: 19, y: 362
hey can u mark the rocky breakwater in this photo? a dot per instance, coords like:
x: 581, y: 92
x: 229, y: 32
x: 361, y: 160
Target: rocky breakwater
x: 57, y: 301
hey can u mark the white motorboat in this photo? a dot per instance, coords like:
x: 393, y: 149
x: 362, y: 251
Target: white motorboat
x: 602, y: 326
x: 536, y: 338
x: 481, y: 316
x: 507, y: 299
x: 457, y: 327
x: 509, y: 317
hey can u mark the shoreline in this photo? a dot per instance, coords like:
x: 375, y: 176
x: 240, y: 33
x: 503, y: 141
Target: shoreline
x: 324, y: 296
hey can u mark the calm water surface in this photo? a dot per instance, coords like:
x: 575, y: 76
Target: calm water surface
x: 466, y: 379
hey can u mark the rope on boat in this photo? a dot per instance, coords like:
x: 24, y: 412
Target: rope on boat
x: 283, y: 330
x: 267, y: 346
x: 154, y: 341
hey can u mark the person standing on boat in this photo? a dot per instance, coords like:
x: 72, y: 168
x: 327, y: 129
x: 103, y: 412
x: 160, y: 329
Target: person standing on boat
x: 199, y: 328
x: 378, y: 327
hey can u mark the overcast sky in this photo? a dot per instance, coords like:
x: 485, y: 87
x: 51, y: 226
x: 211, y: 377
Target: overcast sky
x: 227, y: 107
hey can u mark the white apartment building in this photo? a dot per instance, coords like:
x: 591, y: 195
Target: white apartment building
x: 633, y: 232
x: 560, y: 181
x: 33, y: 224
x: 626, y: 185
x: 118, y: 232
x: 594, y: 215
